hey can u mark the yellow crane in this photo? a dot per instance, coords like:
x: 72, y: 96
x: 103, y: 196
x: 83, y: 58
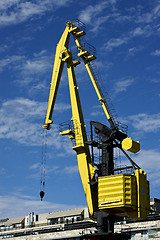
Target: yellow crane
x: 109, y: 195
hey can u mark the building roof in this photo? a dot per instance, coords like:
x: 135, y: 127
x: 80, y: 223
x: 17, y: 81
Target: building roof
x: 66, y: 213
x: 43, y: 217
x: 12, y: 221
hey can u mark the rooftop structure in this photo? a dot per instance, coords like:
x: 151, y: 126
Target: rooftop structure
x: 55, y: 225
x: 75, y: 224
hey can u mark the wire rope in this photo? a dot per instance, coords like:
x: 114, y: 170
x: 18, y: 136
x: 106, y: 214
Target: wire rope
x: 43, y: 162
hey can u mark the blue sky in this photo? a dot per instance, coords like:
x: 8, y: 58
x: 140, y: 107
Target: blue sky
x: 126, y: 35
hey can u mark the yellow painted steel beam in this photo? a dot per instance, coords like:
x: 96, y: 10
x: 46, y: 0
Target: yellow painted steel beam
x: 101, y: 99
x: 56, y: 75
x: 83, y: 155
x: 143, y: 195
x: 86, y: 58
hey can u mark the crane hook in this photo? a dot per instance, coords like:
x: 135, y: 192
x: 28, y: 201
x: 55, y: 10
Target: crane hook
x: 42, y: 193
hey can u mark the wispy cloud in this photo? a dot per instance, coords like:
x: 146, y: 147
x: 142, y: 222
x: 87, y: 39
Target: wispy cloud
x: 132, y: 51
x: 128, y: 36
x: 10, y: 61
x: 93, y: 14
x: 97, y: 111
x: 25, y: 204
x: 141, y: 31
x: 87, y: 14
x: 122, y: 85
x: 148, y: 160
x: 156, y: 53
x: 146, y: 123
x: 71, y: 169
x: 29, y: 69
x: 145, y: 23
x: 17, y: 11
x: 35, y: 166
x: 97, y: 15
x: 37, y: 170
x: 115, y: 42
x: 3, y: 47
x: 50, y: 170
x: 20, y: 119
x: 150, y: 16
x: 38, y: 63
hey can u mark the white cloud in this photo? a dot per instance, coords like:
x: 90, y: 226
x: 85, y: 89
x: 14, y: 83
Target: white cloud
x: 38, y: 64
x: 145, y: 18
x: 62, y: 106
x: 156, y: 10
x: 93, y: 14
x: 122, y: 85
x: 96, y: 15
x: 29, y: 70
x: 99, y: 23
x: 70, y: 169
x: 145, y: 122
x: 87, y: 14
x: 5, y: 4
x: 148, y: 160
x: 23, y: 108
x: 37, y: 170
x: 137, y: 32
x: 25, y: 204
x: 41, y: 53
x: 118, y: 18
x: 132, y: 51
x: 3, y: 47
x: 141, y: 31
x: 20, y: 121
x: 115, y: 42
x: 97, y: 113
x: 10, y: 61
x: 97, y: 110
x: 149, y: 17
x: 156, y: 53
x: 35, y: 166
x: 35, y: 66
x: 17, y: 11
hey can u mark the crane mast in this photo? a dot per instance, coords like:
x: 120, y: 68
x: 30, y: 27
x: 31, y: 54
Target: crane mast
x: 109, y: 196
x: 83, y: 156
